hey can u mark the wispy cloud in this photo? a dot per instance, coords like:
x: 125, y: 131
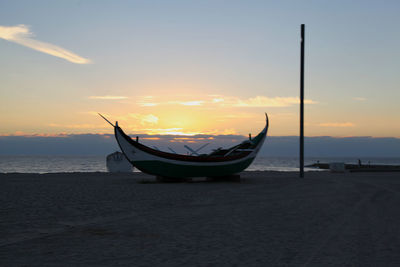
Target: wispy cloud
x: 183, y: 103
x: 144, y: 119
x: 230, y: 101
x: 171, y: 131
x: 147, y: 101
x: 192, y: 103
x: 149, y: 119
x: 108, y: 97
x: 217, y: 100
x: 148, y: 104
x: 337, y: 124
x: 263, y: 101
x: 21, y: 34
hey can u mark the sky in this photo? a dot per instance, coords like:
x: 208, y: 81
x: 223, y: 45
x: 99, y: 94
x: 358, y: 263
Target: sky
x: 199, y: 67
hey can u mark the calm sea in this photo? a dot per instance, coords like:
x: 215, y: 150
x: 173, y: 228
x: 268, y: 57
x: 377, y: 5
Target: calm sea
x: 52, y: 164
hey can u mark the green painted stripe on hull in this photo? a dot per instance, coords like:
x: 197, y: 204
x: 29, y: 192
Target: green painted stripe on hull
x: 181, y: 171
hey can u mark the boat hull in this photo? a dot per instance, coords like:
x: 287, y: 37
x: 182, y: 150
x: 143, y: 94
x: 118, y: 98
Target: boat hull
x: 170, y: 170
x: 169, y: 165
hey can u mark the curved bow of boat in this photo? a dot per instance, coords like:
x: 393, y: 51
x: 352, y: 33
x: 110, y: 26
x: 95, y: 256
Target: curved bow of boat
x: 218, y: 163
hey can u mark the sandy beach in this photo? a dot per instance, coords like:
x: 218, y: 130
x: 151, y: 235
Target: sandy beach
x: 269, y: 219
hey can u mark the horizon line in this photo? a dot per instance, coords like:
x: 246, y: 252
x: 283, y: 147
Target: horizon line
x: 187, y: 136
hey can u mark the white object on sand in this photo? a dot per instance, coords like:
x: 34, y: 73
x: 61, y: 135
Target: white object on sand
x: 337, y: 167
x: 116, y: 162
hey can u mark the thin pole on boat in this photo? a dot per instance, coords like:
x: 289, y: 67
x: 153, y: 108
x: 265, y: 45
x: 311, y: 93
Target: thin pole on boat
x: 106, y: 120
x: 302, y: 102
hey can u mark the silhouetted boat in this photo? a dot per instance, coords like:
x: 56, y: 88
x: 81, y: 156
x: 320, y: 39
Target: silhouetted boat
x: 219, y: 163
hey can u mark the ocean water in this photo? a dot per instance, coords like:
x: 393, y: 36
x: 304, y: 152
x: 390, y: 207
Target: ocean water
x: 55, y: 164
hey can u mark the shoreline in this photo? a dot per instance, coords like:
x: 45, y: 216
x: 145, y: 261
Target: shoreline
x: 138, y: 173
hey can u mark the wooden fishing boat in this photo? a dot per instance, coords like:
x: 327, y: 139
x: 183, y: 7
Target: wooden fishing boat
x: 219, y: 163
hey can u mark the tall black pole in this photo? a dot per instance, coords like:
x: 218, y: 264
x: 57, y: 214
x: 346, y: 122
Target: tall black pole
x: 302, y: 103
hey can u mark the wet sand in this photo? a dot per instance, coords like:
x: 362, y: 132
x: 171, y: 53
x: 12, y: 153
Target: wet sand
x: 269, y: 219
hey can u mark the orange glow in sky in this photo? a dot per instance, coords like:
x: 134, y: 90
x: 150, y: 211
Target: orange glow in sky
x: 199, y: 67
